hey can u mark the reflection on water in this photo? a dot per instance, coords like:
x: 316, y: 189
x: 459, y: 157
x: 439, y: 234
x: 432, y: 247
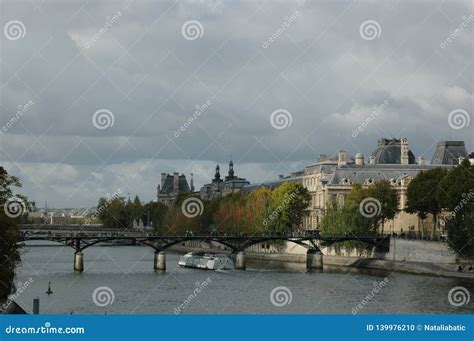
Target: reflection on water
x: 136, y: 288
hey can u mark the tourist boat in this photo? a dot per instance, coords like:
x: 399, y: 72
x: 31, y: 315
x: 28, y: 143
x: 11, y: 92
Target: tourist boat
x: 206, y: 261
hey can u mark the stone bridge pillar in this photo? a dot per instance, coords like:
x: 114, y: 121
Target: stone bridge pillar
x: 314, y: 259
x: 160, y: 261
x: 78, y: 261
x: 240, y: 260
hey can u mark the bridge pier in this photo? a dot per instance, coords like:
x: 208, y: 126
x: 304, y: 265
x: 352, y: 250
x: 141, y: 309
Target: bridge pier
x: 160, y: 261
x: 314, y: 259
x: 240, y: 260
x: 78, y: 261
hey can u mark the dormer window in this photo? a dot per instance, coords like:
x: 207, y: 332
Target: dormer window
x: 369, y: 181
x: 345, y: 182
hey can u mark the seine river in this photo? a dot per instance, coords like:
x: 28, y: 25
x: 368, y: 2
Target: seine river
x: 133, y: 287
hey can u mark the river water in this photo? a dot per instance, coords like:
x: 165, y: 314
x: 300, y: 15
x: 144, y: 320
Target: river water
x: 128, y: 273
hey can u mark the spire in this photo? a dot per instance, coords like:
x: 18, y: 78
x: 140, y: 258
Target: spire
x: 192, y: 182
x: 231, y: 169
x: 217, y: 177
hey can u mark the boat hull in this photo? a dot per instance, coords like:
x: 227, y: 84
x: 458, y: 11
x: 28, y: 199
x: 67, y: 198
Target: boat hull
x: 206, y: 262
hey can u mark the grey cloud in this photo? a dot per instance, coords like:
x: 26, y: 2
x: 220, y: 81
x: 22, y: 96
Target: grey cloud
x: 151, y: 79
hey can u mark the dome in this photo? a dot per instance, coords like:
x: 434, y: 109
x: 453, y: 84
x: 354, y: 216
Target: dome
x: 389, y: 152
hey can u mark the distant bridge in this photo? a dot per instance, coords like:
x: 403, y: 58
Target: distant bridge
x: 85, y: 238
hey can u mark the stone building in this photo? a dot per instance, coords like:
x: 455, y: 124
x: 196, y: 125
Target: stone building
x: 221, y: 187
x: 171, y: 185
x: 332, y: 179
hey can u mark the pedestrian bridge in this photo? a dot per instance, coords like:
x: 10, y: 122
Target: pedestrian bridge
x: 80, y: 241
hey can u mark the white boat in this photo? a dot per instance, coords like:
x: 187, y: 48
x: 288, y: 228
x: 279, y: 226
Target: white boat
x: 206, y: 261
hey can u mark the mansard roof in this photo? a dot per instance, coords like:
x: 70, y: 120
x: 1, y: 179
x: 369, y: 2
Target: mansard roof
x: 168, y: 185
x: 366, y: 174
x: 270, y: 184
x: 448, y: 153
x: 389, y: 152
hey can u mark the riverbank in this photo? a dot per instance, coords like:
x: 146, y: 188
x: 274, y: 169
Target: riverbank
x: 417, y: 268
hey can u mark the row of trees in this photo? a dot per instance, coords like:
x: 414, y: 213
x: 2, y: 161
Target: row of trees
x: 263, y: 210
x: 438, y: 191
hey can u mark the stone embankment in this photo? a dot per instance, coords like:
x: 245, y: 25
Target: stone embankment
x: 415, y: 257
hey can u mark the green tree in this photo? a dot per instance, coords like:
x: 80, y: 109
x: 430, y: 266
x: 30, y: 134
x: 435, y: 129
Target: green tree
x: 456, y: 195
x: 422, y: 195
x: 461, y: 233
x: 389, y: 200
x: 289, y: 201
x: 11, y: 213
x: 114, y: 212
x: 346, y: 218
x: 456, y: 185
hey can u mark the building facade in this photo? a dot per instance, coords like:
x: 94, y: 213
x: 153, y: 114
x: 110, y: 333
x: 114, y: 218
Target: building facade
x: 331, y: 179
x: 220, y: 187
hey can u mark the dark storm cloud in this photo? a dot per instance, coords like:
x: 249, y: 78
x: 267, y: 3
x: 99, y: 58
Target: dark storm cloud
x: 131, y: 58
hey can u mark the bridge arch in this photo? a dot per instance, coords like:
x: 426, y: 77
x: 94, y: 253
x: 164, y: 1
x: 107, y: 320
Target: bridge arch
x: 169, y: 244
x: 63, y: 241
x: 253, y: 242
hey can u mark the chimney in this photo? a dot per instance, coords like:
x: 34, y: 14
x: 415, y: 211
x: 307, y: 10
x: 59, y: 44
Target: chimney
x: 341, y: 158
x: 372, y: 160
x: 404, y: 151
x: 421, y: 161
x: 323, y: 157
x: 192, y: 182
x: 359, y: 159
x: 176, y: 182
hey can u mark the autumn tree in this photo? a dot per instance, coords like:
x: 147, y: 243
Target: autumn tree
x: 289, y: 202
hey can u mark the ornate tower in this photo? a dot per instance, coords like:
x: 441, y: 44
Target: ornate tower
x: 231, y: 170
x: 404, y: 152
x: 217, y: 176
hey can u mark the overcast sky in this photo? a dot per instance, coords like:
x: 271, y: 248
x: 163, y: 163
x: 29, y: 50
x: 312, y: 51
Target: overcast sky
x: 104, y: 87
